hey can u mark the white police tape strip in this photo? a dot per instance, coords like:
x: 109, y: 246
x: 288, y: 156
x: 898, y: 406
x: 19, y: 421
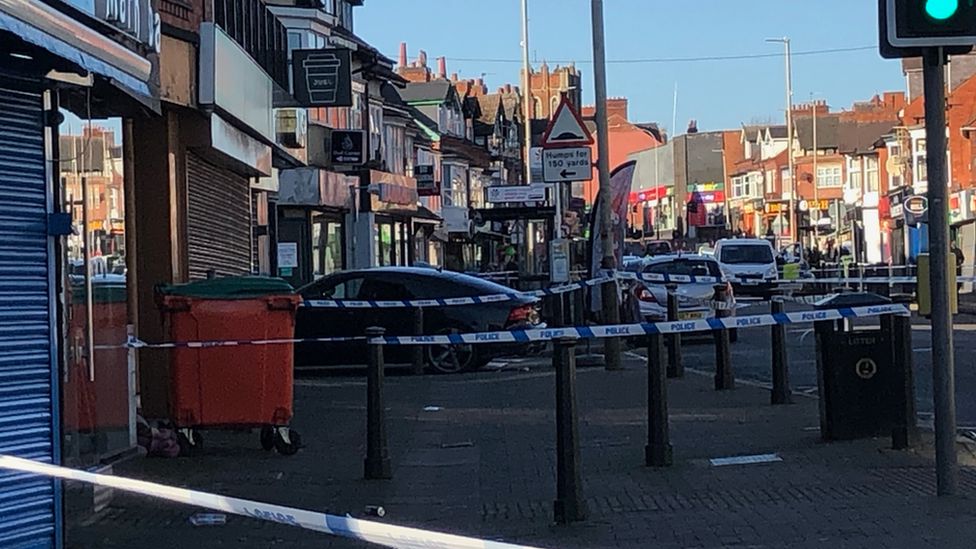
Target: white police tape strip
x: 454, y: 301
x: 136, y: 343
x: 386, y: 535
x: 628, y: 330
x: 664, y: 278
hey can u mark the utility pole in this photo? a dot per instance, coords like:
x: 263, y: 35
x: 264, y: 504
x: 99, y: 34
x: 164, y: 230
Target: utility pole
x: 943, y: 360
x: 816, y: 191
x: 527, y: 92
x: 790, y: 133
x: 611, y: 307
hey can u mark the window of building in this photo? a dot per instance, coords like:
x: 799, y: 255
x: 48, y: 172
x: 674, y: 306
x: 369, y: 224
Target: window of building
x: 553, y: 106
x: 828, y: 176
x: 871, y: 181
x: 770, y: 182
x: 537, y: 106
x: 854, y: 179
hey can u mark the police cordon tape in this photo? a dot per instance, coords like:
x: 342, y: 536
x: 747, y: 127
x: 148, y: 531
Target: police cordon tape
x: 630, y: 330
x: 399, y: 537
x: 454, y: 301
x: 545, y: 334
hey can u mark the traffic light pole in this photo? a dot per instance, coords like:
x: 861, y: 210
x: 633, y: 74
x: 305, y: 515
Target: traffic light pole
x: 943, y: 364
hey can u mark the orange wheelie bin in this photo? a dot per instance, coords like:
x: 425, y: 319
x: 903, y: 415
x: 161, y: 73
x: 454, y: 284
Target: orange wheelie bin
x: 229, y: 367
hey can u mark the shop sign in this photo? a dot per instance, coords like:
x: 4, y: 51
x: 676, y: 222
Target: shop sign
x: 776, y: 207
x: 348, y: 147
x: 323, y: 78
x: 500, y: 194
x: 705, y: 187
x: 896, y: 202
x: 426, y: 182
x: 917, y: 205
x: 136, y: 18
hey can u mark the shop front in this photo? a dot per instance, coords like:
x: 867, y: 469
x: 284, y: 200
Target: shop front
x: 64, y: 288
x: 776, y: 222
x: 312, y: 208
x: 395, y: 205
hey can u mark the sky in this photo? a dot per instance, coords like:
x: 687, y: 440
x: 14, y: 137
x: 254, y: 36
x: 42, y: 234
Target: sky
x: 483, y: 38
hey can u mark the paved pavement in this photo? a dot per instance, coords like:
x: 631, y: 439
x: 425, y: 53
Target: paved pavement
x: 483, y: 465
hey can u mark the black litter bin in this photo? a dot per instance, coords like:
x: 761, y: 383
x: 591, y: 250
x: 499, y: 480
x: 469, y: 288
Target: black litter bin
x: 865, y: 375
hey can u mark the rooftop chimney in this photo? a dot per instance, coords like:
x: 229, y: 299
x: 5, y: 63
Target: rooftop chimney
x: 442, y: 67
x: 403, y: 54
x: 693, y: 126
x: 508, y: 88
x: 454, y: 77
x: 422, y: 59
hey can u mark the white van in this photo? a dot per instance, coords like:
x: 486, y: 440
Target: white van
x: 749, y: 264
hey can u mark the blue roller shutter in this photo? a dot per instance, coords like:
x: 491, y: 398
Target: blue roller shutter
x: 29, y: 506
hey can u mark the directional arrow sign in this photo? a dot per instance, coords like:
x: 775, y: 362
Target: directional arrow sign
x: 563, y: 165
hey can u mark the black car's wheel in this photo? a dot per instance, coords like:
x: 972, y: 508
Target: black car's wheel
x: 450, y: 359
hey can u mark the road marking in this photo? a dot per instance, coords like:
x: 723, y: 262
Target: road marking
x: 745, y: 460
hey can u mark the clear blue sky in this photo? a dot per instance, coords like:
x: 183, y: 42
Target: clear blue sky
x: 483, y: 37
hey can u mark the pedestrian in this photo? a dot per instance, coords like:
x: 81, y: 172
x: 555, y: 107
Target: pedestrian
x: 960, y: 257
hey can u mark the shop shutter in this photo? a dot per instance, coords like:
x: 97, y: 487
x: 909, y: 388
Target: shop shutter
x: 28, y: 409
x: 218, y: 219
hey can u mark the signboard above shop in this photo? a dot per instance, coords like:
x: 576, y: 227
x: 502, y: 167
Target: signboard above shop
x: 348, y: 147
x: 501, y: 194
x: 323, y: 78
x: 137, y: 18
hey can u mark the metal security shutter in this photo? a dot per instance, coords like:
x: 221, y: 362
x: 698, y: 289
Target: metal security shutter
x: 218, y: 219
x: 28, y: 407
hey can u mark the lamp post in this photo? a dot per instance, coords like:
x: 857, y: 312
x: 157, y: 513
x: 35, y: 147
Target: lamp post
x: 789, y: 131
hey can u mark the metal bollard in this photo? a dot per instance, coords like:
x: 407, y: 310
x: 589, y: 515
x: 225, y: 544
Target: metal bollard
x: 904, y: 435
x: 658, y: 452
x: 781, y: 393
x: 418, y: 358
x: 569, y: 505
x: 724, y: 377
x: 676, y: 367
x: 377, y: 462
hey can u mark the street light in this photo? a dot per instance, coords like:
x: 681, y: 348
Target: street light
x: 789, y: 133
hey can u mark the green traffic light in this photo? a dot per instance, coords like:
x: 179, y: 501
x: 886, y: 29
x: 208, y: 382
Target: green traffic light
x: 941, y: 9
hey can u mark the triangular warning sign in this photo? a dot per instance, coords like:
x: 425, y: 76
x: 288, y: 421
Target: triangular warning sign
x: 566, y: 128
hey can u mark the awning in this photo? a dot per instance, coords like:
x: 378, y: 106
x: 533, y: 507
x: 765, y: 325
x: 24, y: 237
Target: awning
x: 45, y: 27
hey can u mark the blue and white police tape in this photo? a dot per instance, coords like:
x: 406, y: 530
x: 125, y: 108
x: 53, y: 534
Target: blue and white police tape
x: 665, y: 278
x: 450, y: 302
x: 629, y: 330
x: 385, y: 535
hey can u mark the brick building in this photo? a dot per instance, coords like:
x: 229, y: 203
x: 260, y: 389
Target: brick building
x: 548, y: 85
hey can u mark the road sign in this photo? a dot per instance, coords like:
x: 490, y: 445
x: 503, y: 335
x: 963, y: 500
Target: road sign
x: 564, y: 165
x: 566, y: 129
x: 917, y: 204
x: 500, y: 194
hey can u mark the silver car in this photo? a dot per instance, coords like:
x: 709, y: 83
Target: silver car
x: 696, y: 277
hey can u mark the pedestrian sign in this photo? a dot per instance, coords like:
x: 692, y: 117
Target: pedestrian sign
x: 566, y: 129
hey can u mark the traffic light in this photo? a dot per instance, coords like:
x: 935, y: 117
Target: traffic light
x: 929, y: 23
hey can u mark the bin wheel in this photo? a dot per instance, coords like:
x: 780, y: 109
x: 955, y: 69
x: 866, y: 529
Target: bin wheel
x: 287, y: 441
x: 190, y: 442
x: 267, y: 437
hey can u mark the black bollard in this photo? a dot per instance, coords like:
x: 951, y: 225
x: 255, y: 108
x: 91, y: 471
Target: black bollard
x: 676, y: 367
x: 657, y: 453
x: 569, y: 505
x: 377, y: 462
x: 781, y: 393
x: 724, y: 377
x: 418, y: 358
x: 904, y: 434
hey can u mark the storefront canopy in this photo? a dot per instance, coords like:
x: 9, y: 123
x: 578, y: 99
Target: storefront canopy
x: 43, y: 26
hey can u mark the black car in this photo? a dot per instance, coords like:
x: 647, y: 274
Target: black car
x: 407, y: 283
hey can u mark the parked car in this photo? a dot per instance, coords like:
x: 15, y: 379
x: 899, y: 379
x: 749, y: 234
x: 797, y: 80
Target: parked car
x: 408, y: 283
x: 652, y: 297
x: 658, y: 247
x: 749, y: 264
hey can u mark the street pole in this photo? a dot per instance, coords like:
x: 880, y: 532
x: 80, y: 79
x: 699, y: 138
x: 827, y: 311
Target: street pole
x: 527, y: 92
x: 816, y: 191
x: 611, y: 308
x: 790, y: 133
x: 943, y: 364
